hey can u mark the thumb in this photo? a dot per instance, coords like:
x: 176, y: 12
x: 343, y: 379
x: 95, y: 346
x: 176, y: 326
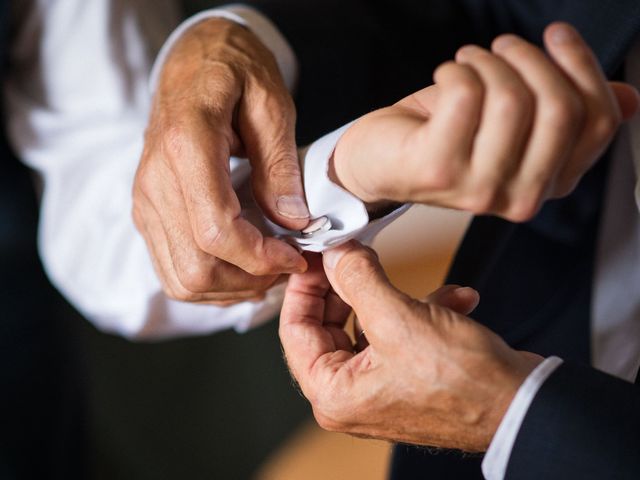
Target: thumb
x: 628, y: 98
x: 267, y: 127
x: 356, y: 275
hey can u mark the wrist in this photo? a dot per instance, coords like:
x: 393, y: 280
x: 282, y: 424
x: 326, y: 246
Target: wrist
x: 376, y: 207
x: 512, y: 379
x: 213, y: 51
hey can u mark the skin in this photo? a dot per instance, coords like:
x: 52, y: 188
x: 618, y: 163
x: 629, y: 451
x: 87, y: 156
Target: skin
x: 499, y: 132
x: 220, y: 93
x: 429, y: 376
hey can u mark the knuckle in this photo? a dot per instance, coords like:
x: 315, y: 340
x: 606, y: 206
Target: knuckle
x: 519, y: 53
x: 325, y: 422
x: 208, y: 236
x: 440, y: 176
x: 328, y: 410
x: 444, y: 69
x: 565, y: 112
x: 145, y: 182
x: 465, y: 92
x: 483, y: 201
x: 513, y: 102
x: 604, y: 127
x: 459, y: 83
x: 196, y: 277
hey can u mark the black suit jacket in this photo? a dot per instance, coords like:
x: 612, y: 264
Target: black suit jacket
x: 534, y: 278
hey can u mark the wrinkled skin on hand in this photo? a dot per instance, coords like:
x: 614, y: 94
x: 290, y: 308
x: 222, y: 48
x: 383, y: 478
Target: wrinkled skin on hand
x: 219, y: 94
x: 429, y: 375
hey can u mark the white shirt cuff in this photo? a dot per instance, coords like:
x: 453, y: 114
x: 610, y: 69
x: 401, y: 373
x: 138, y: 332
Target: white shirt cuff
x: 261, y: 26
x: 347, y: 213
x: 494, y: 465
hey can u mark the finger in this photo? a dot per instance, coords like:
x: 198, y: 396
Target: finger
x: 198, y: 271
x: 157, y: 242
x: 462, y: 300
x: 150, y: 227
x: 360, y: 336
x: 356, y: 275
x: 603, y: 114
x: 304, y: 338
x: 226, y: 299
x: 336, y: 313
x: 267, y: 127
x: 627, y: 97
x: 507, y: 115
x: 231, y: 298
x: 455, y: 118
x: 200, y: 157
x: 556, y: 128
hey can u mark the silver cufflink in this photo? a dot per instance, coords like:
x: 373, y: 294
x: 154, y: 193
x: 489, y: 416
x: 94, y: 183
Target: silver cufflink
x: 317, y: 225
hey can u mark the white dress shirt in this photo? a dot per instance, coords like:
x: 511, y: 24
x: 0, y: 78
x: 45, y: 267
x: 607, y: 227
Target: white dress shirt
x: 78, y: 100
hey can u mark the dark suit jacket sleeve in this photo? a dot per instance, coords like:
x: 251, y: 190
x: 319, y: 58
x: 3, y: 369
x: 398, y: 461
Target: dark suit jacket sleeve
x: 582, y: 424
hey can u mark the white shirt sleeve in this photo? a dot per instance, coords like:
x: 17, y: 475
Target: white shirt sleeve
x: 78, y: 100
x: 347, y: 213
x: 494, y: 465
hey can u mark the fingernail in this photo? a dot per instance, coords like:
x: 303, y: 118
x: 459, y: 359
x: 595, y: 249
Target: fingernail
x: 331, y: 257
x: 503, y: 42
x: 562, y: 34
x: 292, y: 206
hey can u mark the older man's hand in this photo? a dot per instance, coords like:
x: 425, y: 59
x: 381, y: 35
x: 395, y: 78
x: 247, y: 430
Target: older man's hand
x: 220, y: 93
x: 499, y: 132
x: 429, y: 376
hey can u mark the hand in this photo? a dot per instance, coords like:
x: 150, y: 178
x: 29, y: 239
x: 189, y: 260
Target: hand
x: 220, y: 93
x: 429, y: 376
x: 500, y: 132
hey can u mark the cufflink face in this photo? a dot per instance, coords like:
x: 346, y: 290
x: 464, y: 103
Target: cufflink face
x: 317, y: 225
